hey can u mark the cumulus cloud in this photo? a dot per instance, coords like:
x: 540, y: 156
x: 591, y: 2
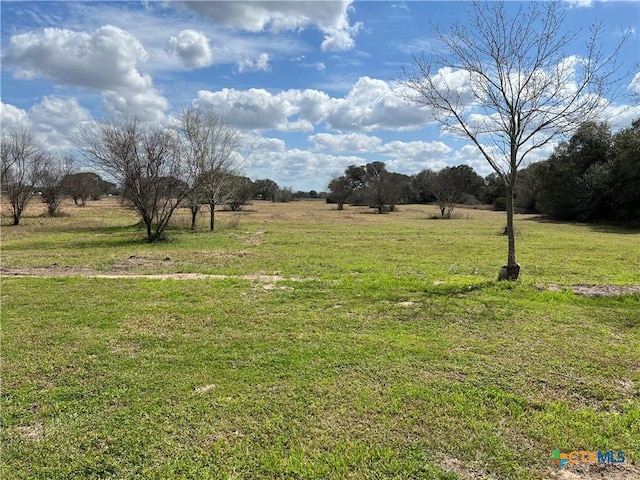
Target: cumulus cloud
x: 192, y: 48
x: 12, y: 116
x: 148, y: 105
x: 370, y: 105
x: 330, y: 18
x: 259, y: 65
x: 250, y: 109
x: 350, y: 142
x: 55, y: 121
x: 105, y: 60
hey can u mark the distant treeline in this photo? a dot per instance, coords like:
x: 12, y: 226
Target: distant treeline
x: 595, y: 176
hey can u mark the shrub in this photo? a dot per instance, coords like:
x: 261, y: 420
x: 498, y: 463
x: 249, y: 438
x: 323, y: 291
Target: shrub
x: 500, y: 204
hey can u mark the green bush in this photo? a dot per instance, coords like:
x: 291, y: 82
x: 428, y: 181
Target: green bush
x: 500, y: 204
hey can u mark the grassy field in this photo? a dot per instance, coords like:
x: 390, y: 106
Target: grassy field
x: 329, y: 344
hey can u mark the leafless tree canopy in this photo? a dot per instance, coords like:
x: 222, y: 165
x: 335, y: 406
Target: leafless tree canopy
x: 22, y: 167
x: 212, y: 146
x: 148, y: 164
x: 506, y: 83
x: 56, y: 171
x: 447, y: 188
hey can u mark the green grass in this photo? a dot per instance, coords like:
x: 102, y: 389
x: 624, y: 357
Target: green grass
x: 388, y: 351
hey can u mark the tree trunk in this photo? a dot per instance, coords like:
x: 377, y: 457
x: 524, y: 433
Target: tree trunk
x: 212, y: 214
x: 16, y: 219
x: 147, y: 222
x: 194, y: 215
x: 511, y: 270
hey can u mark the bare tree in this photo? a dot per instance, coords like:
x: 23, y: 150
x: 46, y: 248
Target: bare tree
x: 147, y: 163
x: 506, y: 83
x: 53, y: 182
x: 213, y: 147
x: 22, y: 168
x: 448, y: 190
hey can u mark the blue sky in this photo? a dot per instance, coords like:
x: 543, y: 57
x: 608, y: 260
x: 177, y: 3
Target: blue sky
x: 309, y: 85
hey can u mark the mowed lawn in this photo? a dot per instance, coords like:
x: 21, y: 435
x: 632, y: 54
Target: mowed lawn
x: 329, y: 344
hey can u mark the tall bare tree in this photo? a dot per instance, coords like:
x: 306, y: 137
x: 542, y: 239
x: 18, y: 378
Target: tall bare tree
x: 22, y: 166
x: 507, y: 83
x: 214, y: 148
x: 148, y: 164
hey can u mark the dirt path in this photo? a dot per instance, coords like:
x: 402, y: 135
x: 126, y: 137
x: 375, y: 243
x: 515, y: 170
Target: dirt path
x: 55, y: 271
x: 60, y: 271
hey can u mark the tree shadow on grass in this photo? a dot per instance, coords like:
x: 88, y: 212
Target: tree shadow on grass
x: 103, y: 237
x: 625, y: 229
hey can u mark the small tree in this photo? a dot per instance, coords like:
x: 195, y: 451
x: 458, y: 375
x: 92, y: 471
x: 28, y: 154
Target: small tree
x: 341, y: 188
x: 213, y: 146
x: 266, y: 189
x: 383, y: 188
x: 147, y: 162
x: 284, y: 194
x: 506, y: 83
x: 448, y: 189
x: 239, y: 190
x: 53, y: 181
x: 83, y: 186
x: 22, y: 168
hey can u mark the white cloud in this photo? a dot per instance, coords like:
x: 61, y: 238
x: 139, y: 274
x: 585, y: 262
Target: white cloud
x: 148, y: 105
x: 580, y: 3
x: 192, y: 47
x: 330, y: 18
x: 55, y: 121
x: 12, y: 116
x: 634, y: 86
x: 350, y: 142
x: 298, y: 168
x: 259, y: 65
x: 311, y: 105
x: 105, y: 60
x: 372, y: 105
x: 403, y: 157
x: 251, y: 109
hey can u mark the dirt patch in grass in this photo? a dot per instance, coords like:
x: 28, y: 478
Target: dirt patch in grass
x: 461, y: 471
x: 595, y: 290
x: 623, y: 471
x: 133, y: 262
x: 33, y: 431
x: 58, y: 271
